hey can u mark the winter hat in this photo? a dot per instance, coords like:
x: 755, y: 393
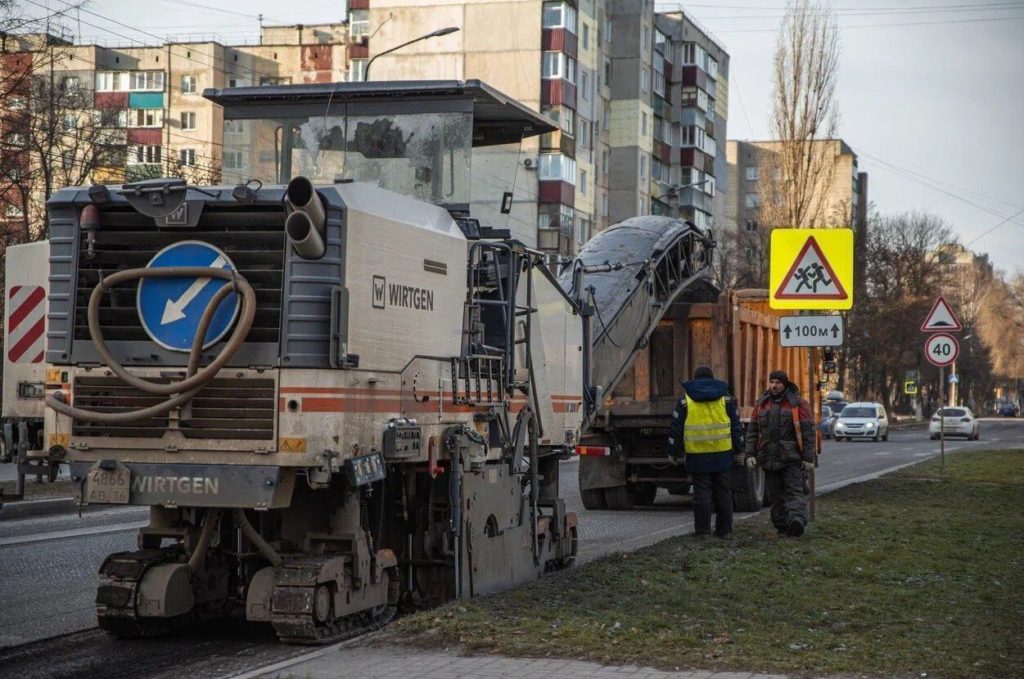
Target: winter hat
x: 703, y: 371
x: 779, y: 375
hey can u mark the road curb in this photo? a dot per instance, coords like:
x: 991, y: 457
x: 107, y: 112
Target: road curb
x: 21, y: 509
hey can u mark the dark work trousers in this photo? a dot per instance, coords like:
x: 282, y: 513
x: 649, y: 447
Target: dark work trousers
x: 785, y: 489
x: 715, y: 486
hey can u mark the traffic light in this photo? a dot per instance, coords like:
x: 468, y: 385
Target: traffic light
x: 829, y: 364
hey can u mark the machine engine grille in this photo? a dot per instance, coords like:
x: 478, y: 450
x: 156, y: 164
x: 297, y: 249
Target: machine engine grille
x: 252, y: 238
x: 226, y: 408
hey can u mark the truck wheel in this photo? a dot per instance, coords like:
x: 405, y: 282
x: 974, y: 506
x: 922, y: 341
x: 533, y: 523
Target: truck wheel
x: 645, y: 493
x: 747, y: 489
x: 593, y: 498
x: 619, y: 498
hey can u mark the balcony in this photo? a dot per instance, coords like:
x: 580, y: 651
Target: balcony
x: 558, y: 92
x: 110, y: 100
x: 145, y: 100
x: 559, y: 40
x: 558, y: 141
x: 557, y: 191
x: 145, y: 136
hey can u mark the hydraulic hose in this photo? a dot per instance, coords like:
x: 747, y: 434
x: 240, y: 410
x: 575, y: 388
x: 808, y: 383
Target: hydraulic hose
x: 183, y: 390
x: 198, y: 557
x: 253, y: 536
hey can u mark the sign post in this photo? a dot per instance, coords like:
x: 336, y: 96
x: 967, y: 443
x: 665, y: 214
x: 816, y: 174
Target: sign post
x: 941, y: 349
x: 811, y: 269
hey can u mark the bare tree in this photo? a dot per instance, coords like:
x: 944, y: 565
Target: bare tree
x: 904, y: 274
x: 795, y: 184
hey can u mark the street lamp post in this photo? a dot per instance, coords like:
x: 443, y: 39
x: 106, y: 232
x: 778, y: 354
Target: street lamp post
x: 433, y: 34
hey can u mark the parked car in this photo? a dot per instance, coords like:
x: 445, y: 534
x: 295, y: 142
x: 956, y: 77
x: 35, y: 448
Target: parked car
x: 959, y: 421
x: 825, y: 425
x: 1009, y: 410
x: 862, y: 420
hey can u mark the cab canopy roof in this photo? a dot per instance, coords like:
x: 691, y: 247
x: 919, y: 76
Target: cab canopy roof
x: 497, y: 118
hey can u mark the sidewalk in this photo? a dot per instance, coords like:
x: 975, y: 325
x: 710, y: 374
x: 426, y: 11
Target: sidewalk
x: 358, y: 660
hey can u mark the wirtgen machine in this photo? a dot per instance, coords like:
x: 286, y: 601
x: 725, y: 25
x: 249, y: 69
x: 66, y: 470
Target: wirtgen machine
x: 341, y: 391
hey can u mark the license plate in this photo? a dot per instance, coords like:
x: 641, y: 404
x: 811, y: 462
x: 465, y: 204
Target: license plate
x: 108, y: 486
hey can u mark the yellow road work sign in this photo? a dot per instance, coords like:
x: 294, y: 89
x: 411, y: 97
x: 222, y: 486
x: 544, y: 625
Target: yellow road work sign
x: 811, y: 269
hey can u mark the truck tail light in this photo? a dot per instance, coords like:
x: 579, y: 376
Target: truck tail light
x: 601, y: 451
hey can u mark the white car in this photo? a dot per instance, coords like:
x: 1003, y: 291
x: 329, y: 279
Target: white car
x: 959, y: 421
x: 862, y: 420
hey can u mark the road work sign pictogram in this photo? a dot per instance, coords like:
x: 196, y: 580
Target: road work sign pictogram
x: 941, y: 318
x: 170, y: 308
x: 811, y: 269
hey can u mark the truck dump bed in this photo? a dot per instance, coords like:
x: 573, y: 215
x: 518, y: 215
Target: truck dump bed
x: 738, y: 336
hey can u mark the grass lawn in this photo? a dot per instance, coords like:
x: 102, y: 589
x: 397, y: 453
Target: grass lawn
x: 918, y: 572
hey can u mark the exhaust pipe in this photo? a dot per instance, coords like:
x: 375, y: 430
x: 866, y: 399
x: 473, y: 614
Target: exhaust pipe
x: 305, y: 224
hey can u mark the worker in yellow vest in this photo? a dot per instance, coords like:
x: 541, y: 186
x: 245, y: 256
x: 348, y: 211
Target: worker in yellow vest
x: 705, y: 434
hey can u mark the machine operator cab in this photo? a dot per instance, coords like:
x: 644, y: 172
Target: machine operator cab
x: 454, y: 144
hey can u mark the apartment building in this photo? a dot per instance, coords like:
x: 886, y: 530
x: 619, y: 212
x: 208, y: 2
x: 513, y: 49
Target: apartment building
x: 844, y: 199
x: 147, y: 109
x: 638, y: 97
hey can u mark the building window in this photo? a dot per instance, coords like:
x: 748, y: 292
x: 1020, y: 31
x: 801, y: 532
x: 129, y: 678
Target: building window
x: 71, y: 83
x: 140, y: 155
x: 234, y: 128
x: 189, y: 83
x: 643, y: 124
x: 604, y: 205
x: 608, y: 31
x: 607, y: 72
x: 647, y: 37
x: 659, y: 76
x: 692, y: 136
x: 583, y: 182
x: 659, y: 41
x: 148, y: 117
x: 188, y: 121
x: 266, y: 156
x: 751, y: 171
x: 556, y: 167
x: 559, y: 15
x: 232, y: 160
x: 751, y: 225
x: 146, y: 80
x: 586, y: 36
x: 607, y: 118
x: 645, y: 80
x: 643, y: 166
x: 751, y: 200
x: 358, y: 22
x: 275, y: 80
x: 583, y: 234
x: 356, y: 70
x: 12, y: 211
x: 555, y: 65
x: 237, y: 82
x: 584, y: 85
x: 583, y: 134
x: 187, y: 157
x: 657, y: 170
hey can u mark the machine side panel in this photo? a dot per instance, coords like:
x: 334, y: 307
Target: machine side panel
x: 406, y: 278
x: 25, y: 328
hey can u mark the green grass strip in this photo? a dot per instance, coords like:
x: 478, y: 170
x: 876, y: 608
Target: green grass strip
x: 917, y: 572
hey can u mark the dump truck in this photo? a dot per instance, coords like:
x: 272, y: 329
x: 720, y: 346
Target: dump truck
x: 624, y: 455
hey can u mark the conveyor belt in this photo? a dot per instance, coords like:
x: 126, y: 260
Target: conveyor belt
x: 660, y: 257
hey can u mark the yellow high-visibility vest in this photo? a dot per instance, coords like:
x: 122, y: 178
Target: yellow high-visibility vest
x: 707, y: 428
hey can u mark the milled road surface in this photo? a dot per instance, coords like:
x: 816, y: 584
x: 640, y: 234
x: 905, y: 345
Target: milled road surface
x: 48, y: 572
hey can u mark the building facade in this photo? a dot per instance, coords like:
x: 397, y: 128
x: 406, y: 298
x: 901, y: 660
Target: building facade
x: 639, y: 98
x: 844, y: 199
x: 143, y: 106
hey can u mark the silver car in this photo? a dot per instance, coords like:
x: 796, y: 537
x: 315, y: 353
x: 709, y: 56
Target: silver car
x: 862, y: 420
x: 959, y: 421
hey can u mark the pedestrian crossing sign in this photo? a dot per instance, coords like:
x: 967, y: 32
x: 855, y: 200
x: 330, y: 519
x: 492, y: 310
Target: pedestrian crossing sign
x: 811, y: 269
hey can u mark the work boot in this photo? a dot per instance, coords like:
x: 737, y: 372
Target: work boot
x: 724, y: 536
x: 796, y: 527
x: 700, y: 536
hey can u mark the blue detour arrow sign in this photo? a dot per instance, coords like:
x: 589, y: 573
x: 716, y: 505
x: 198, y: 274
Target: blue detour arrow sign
x: 170, y: 308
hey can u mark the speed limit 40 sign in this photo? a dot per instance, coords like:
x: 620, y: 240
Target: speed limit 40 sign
x: 941, y: 349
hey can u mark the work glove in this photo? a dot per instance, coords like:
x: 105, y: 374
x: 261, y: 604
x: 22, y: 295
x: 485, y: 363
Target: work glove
x: 751, y: 462
x: 807, y: 466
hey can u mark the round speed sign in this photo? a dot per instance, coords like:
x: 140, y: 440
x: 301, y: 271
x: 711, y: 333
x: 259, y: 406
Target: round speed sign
x: 941, y: 349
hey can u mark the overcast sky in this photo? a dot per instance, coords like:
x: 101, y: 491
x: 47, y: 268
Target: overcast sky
x: 931, y: 91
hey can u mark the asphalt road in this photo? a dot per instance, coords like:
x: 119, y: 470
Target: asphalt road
x: 48, y: 571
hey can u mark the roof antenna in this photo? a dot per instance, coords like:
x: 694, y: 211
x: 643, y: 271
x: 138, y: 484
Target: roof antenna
x: 261, y: 28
